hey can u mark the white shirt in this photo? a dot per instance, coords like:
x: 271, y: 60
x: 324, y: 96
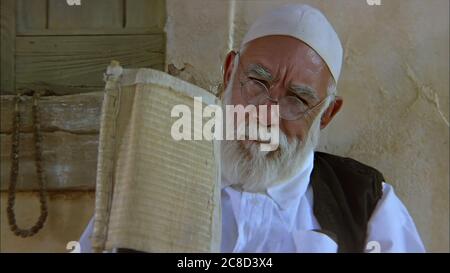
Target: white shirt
x: 282, y: 220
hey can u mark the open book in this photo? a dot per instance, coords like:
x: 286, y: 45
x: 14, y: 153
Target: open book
x: 153, y: 193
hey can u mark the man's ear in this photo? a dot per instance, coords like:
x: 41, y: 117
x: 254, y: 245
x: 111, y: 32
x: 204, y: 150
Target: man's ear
x: 228, y: 68
x: 331, y: 111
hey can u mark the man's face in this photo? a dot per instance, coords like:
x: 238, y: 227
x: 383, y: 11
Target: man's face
x: 288, y: 67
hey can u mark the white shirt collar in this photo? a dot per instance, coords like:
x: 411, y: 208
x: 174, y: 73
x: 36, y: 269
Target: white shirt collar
x: 289, y: 193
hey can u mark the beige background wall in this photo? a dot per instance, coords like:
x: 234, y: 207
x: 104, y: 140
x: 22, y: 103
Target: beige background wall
x: 395, y: 84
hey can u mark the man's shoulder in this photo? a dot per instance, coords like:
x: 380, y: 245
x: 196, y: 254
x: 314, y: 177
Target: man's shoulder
x: 353, y: 176
x: 346, y: 165
x: 346, y: 193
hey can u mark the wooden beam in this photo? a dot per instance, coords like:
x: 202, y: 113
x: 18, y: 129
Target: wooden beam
x: 78, y: 113
x: 75, y: 64
x: 7, y: 41
x: 69, y: 160
x: 70, y: 126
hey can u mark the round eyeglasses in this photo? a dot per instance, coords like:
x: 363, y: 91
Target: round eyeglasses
x: 255, y: 92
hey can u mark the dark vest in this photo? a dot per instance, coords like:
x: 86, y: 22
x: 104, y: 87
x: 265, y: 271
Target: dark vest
x: 345, y: 194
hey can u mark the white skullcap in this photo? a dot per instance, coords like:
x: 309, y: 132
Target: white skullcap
x: 306, y: 24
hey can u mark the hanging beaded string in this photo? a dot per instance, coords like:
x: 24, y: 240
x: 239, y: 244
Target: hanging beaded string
x: 15, y: 169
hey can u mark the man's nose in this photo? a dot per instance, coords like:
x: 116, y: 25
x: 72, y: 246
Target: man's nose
x: 274, y: 95
x: 268, y: 113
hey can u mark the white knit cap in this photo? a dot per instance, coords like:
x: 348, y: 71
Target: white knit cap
x: 306, y: 24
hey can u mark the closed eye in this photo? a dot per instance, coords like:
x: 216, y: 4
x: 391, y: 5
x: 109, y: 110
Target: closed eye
x: 304, y: 101
x: 263, y: 82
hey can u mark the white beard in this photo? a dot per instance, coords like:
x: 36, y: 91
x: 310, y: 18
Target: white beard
x: 247, y: 168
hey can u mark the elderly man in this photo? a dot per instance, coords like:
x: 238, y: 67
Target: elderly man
x: 294, y: 199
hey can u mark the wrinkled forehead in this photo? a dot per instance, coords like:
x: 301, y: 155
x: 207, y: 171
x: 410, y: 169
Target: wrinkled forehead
x: 287, y: 58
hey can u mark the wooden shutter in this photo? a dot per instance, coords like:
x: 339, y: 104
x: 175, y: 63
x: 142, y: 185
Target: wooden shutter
x: 64, y: 50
